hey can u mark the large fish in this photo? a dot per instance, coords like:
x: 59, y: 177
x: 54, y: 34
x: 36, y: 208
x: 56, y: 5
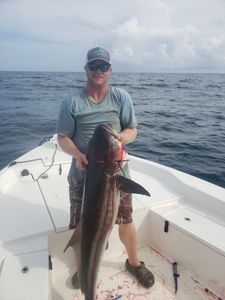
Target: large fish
x: 100, y: 204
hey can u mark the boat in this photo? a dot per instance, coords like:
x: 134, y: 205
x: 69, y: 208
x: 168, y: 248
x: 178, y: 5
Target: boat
x: 181, y: 233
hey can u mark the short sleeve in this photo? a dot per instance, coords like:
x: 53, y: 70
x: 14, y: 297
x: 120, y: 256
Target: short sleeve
x: 127, y: 115
x: 66, y: 119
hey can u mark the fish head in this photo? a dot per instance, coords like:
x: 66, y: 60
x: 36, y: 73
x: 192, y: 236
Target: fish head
x: 106, y: 148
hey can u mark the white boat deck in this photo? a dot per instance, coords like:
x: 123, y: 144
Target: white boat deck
x: 115, y: 282
x: 34, y: 216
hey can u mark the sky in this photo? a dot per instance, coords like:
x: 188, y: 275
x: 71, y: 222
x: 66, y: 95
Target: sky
x: 141, y: 35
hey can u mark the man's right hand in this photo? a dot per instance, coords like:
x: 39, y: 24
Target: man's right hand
x: 81, y: 161
x: 69, y: 147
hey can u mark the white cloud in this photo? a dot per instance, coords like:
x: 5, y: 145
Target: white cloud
x: 130, y: 27
x: 141, y: 34
x: 171, y: 47
x: 129, y: 50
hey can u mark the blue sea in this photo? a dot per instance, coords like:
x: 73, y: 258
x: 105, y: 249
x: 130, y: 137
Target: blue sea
x: 181, y: 117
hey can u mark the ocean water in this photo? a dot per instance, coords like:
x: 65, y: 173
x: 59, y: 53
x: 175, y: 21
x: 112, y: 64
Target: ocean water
x: 181, y: 117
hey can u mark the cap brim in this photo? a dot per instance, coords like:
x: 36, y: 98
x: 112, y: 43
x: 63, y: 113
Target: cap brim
x: 99, y: 59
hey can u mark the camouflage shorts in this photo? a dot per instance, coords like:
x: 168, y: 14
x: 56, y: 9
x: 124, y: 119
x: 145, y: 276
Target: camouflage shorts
x: 124, y: 215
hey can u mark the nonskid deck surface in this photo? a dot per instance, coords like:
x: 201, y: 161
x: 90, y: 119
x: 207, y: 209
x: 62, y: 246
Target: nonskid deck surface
x: 115, y: 282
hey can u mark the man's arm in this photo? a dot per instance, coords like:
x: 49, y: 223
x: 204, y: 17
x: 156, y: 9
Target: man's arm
x: 70, y: 148
x: 128, y: 135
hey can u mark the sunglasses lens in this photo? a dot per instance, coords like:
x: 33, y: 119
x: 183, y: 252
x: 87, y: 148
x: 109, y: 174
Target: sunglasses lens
x: 94, y: 67
x: 104, y: 68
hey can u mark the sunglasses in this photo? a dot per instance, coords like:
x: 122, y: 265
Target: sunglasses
x: 94, y: 67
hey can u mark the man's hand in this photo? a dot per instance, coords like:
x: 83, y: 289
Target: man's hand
x: 69, y: 147
x: 81, y: 161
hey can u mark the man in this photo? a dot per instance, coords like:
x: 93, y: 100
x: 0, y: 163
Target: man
x: 100, y: 103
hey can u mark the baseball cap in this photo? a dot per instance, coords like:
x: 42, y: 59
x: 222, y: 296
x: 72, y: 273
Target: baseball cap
x: 98, y: 53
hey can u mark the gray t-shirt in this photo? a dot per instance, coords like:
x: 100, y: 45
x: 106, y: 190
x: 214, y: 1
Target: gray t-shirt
x: 79, y: 116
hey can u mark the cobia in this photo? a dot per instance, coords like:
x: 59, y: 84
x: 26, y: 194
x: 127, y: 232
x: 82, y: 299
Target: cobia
x: 100, y: 204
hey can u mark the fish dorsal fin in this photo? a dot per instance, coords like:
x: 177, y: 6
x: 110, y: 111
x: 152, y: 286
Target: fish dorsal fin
x: 129, y: 186
x: 74, y: 238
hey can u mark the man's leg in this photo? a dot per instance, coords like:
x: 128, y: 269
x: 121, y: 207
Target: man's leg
x: 75, y: 194
x: 128, y: 236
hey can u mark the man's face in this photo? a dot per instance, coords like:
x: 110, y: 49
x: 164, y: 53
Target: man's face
x: 98, y: 72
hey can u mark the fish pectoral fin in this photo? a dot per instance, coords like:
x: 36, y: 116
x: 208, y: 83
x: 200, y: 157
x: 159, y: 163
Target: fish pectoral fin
x: 129, y: 186
x: 74, y: 238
